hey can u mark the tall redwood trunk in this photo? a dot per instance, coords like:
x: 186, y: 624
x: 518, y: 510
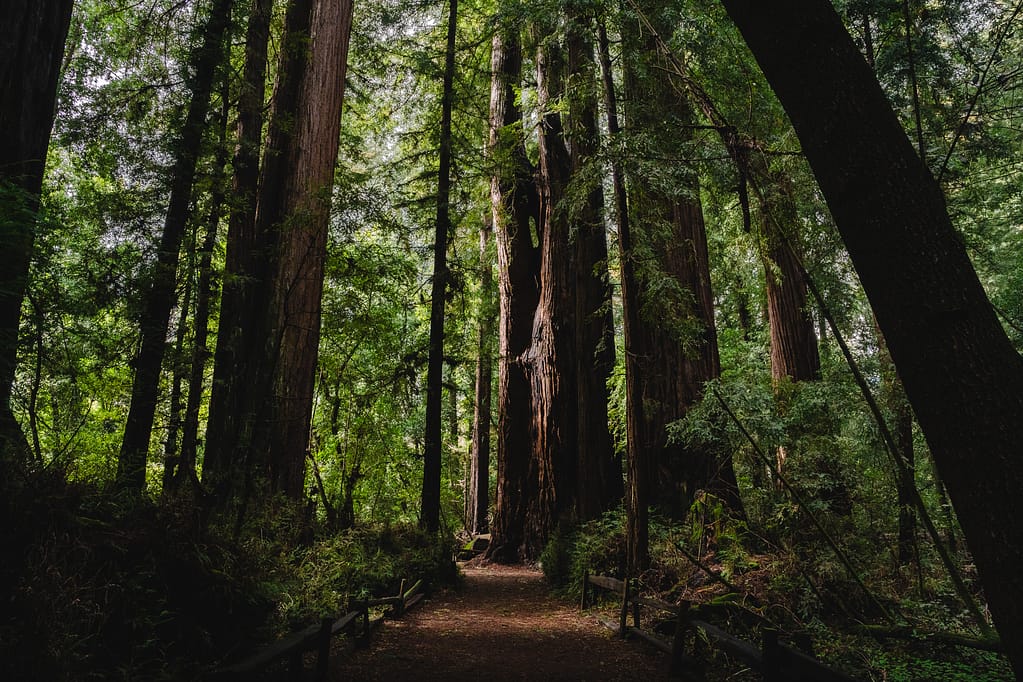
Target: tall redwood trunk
x: 430, y: 510
x: 303, y: 223
x: 515, y: 211
x: 478, y: 498
x: 32, y: 37
x: 246, y: 249
x: 961, y: 373
x: 159, y: 295
x: 637, y: 450
x: 549, y: 360
x: 293, y: 212
x: 794, y: 351
x: 598, y: 478
x: 676, y: 346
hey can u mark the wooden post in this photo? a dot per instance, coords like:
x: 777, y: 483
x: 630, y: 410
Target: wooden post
x: 635, y: 614
x: 323, y: 654
x: 772, y: 655
x: 678, y: 644
x: 295, y: 664
x: 399, y: 608
x: 586, y: 582
x: 623, y: 617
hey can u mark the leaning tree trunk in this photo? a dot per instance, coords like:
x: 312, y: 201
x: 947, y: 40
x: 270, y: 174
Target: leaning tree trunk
x: 478, y: 498
x: 32, y: 37
x: 160, y: 293
x: 961, y: 373
x: 515, y: 207
x: 303, y: 223
x: 242, y: 270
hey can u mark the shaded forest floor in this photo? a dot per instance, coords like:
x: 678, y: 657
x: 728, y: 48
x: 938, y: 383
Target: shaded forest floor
x: 501, y: 623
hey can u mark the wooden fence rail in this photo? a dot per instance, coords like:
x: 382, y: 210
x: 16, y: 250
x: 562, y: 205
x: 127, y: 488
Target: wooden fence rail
x: 318, y: 638
x: 773, y: 659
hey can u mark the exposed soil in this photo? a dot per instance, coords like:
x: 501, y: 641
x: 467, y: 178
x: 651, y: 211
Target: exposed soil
x: 502, y: 623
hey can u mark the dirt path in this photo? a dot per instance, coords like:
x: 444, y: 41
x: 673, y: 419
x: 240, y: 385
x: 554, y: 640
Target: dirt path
x: 501, y: 624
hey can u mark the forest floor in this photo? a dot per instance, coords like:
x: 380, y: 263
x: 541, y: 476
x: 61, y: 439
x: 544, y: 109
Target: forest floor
x: 500, y: 623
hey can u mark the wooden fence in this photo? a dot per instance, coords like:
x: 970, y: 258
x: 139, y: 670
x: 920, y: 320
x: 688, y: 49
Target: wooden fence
x: 319, y: 637
x: 773, y: 659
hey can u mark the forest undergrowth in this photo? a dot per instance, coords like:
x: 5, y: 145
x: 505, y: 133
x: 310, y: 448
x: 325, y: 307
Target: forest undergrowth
x: 97, y: 587
x: 739, y: 578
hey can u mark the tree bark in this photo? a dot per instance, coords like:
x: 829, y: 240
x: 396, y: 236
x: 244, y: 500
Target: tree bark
x: 637, y: 450
x: 244, y: 268
x: 430, y: 510
x: 961, y: 373
x: 32, y: 37
x: 549, y: 360
x: 478, y: 500
x: 598, y: 479
x: 303, y: 223
x: 794, y: 353
x: 160, y: 293
x: 515, y: 206
x: 676, y: 345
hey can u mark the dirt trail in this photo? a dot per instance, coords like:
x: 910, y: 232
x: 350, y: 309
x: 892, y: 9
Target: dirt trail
x: 501, y: 624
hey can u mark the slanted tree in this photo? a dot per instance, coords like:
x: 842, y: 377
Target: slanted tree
x: 292, y: 212
x: 32, y: 37
x: 159, y: 295
x: 242, y: 268
x: 961, y: 373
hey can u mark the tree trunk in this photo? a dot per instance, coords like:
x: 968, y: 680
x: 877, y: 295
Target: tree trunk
x: 177, y: 362
x: 242, y: 273
x: 598, y: 479
x: 515, y: 206
x: 430, y: 511
x: 961, y: 373
x: 291, y: 224
x: 550, y: 358
x: 794, y: 351
x: 478, y: 500
x: 186, y: 470
x: 303, y: 223
x: 160, y: 293
x: 638, y: 454
x: 32, y: 37
x: 676, y: 345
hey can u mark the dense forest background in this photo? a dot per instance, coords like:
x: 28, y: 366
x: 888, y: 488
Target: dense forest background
x: 299, y: 295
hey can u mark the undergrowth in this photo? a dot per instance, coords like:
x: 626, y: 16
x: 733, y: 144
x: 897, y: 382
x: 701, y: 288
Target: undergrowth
x: 95, y: 587
x: 796, y: 587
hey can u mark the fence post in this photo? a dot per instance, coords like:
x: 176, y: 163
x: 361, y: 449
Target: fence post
x: 623, y: 617
x: 399, y: 608
x: 586, y: 582
x: 323, y: 655
x: 772, y: 655
x: 678, y: 644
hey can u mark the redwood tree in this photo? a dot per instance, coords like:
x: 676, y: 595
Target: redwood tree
x: 515, y: 212
x: 159, y: 295
x: 32, y: 37
x: 961, y: 373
